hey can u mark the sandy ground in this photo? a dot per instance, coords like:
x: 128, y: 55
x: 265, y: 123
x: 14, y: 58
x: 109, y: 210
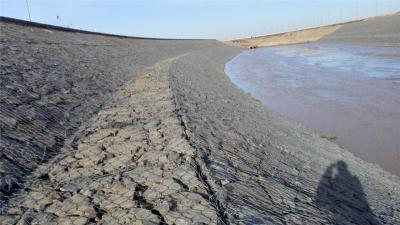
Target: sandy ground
x: 295, y: 37
x: 161, y: 136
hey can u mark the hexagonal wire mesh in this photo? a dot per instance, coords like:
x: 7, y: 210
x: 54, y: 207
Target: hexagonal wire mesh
x: 131, y: 164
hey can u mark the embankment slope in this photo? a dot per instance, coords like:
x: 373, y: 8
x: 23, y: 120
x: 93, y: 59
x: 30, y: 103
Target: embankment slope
x: 377, y: 31
x: 295, y: 37
x: 267, y: 169
x: 53, y: 81
x: 160, y: 135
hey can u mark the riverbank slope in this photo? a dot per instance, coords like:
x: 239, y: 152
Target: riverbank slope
x: 153, y: 131
x: 377, y: 31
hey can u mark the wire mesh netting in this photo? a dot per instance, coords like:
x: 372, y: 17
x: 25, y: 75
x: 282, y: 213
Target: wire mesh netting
x: 131, y: 165
x: 88, y: 139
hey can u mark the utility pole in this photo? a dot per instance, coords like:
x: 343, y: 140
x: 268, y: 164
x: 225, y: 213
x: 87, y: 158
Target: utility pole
x: 357, y: 9
x: 29, y: 13
x: 376, y: 7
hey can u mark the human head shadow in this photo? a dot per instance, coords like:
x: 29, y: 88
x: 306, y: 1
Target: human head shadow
x: 342, y: 194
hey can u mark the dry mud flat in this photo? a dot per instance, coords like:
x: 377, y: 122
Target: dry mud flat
x: 178, y: 143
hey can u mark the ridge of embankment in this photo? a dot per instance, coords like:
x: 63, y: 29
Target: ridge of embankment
x: 73, y: 30
x: 172, y: 142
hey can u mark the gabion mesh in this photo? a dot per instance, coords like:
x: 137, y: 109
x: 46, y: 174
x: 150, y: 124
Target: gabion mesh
x: 131, y: 165
x: 135, y: 161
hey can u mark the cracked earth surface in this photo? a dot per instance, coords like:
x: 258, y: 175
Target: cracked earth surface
x: 133, y: 165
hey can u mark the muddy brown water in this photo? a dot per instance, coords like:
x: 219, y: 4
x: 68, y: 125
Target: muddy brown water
x: 351, y: 92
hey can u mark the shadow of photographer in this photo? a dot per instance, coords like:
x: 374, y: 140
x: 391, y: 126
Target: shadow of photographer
x: 341, y: 193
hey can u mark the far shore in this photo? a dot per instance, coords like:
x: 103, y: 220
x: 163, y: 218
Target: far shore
x: 325, y: 32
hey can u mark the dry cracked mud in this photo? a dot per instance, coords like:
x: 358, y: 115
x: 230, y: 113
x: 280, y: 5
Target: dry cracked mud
x: 133, y: 165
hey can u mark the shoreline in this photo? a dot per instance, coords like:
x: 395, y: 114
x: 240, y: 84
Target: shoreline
x: 329, y: 104
x: 287, y: 156
x: 180, y: 129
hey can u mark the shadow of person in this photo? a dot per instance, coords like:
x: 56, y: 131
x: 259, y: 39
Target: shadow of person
x: 341, y: 193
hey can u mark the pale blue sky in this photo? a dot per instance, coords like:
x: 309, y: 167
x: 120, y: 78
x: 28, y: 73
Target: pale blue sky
x: 225, y: 19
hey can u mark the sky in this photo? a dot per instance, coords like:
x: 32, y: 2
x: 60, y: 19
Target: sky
x: 223, y: 20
